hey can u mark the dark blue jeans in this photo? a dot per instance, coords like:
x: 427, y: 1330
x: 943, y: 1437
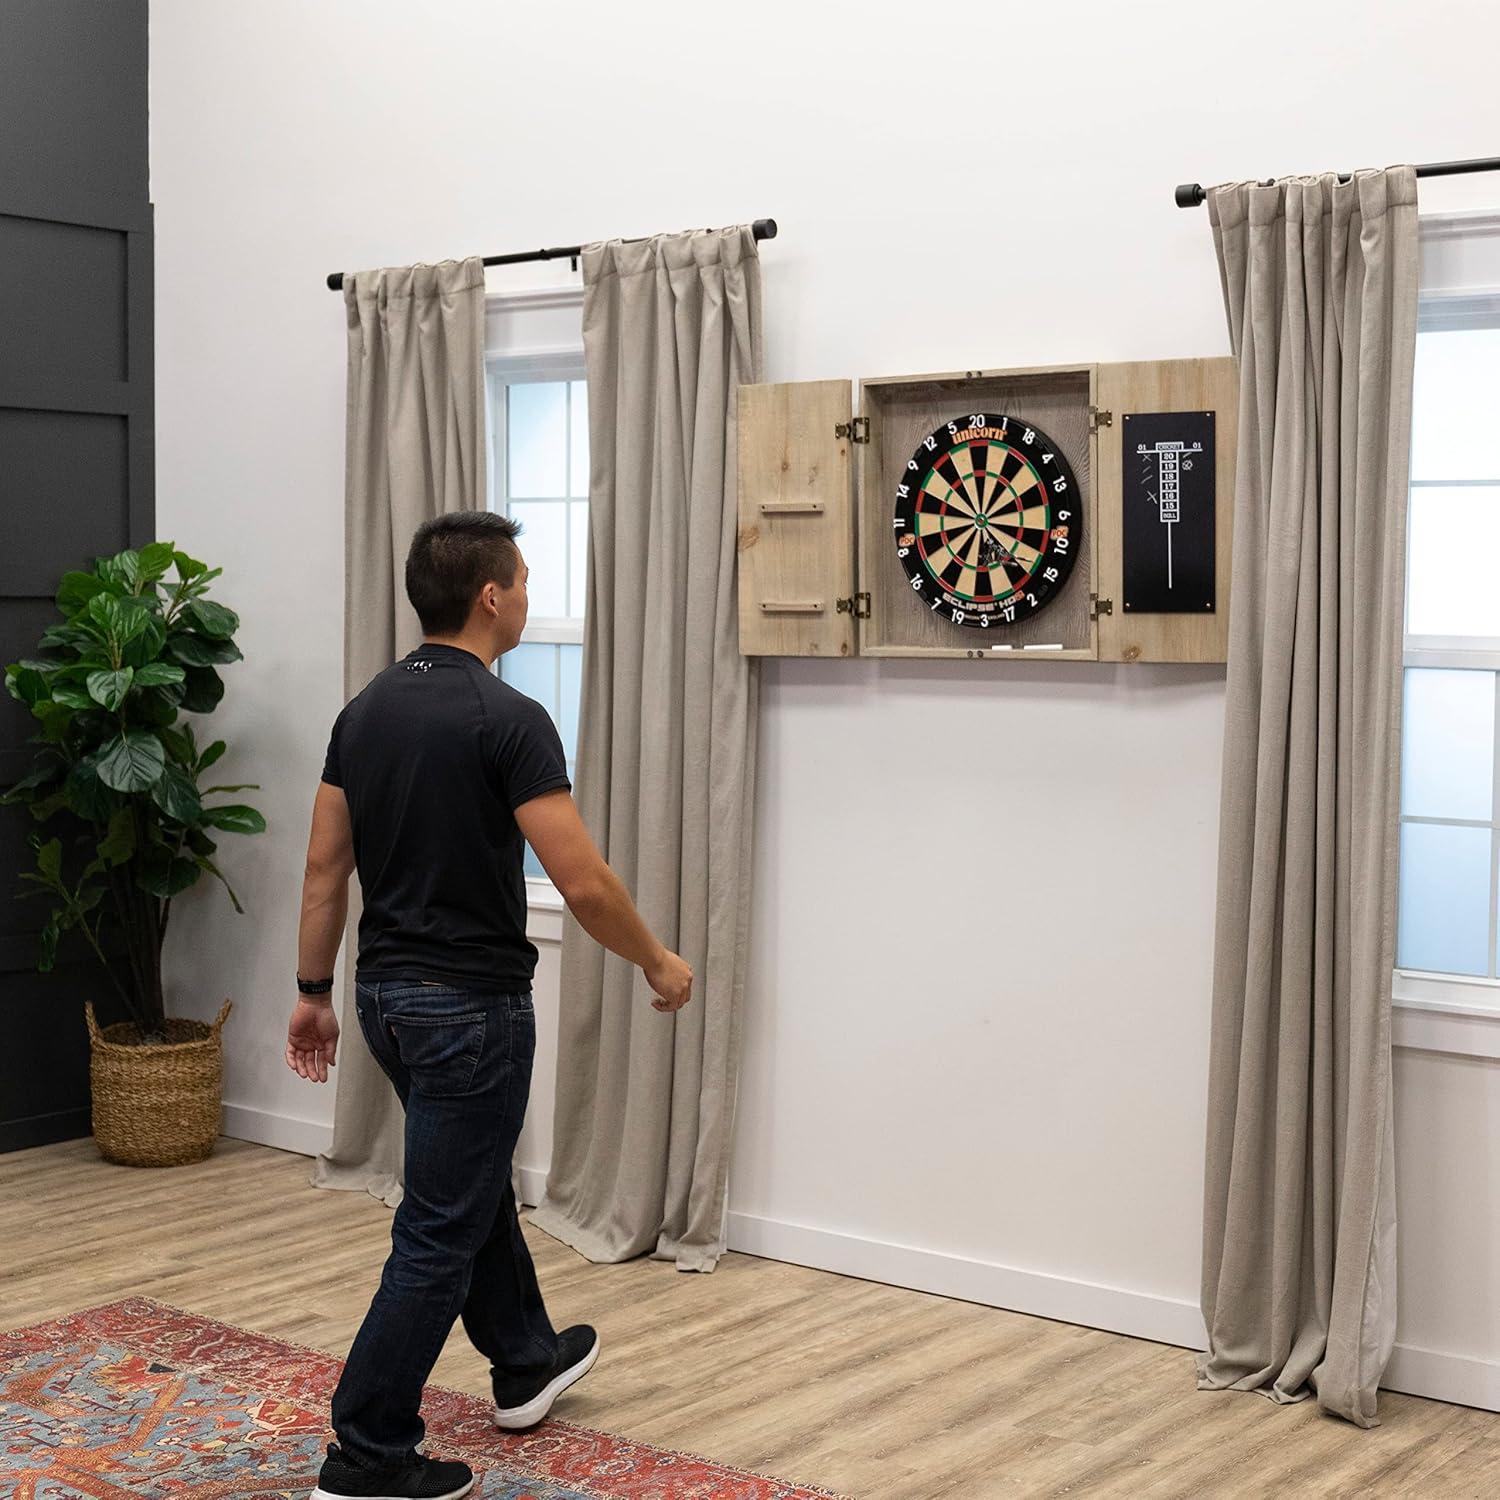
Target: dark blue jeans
x: 461, y: 1061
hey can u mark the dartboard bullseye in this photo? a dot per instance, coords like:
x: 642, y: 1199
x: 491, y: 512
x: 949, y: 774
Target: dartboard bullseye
x: 988, y: 520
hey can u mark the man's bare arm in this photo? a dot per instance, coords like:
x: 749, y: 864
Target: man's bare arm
x: 325, y: 883
x: 312, y: 1037
x: 597, y: 897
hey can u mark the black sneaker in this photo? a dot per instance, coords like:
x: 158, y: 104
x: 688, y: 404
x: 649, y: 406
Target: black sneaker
x: 523, y: 1400
x: 420, y: 1478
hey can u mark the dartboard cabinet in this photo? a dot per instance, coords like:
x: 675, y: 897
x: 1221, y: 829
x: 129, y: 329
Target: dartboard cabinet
x: 1059, y: 513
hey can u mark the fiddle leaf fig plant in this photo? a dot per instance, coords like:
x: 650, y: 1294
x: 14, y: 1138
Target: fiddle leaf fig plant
x: 118, y: 769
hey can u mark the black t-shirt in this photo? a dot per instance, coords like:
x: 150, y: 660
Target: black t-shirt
x: 434, y: 756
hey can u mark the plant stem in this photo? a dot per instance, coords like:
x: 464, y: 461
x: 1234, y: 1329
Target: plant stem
x: 119, y: 890
x: 114, y: 978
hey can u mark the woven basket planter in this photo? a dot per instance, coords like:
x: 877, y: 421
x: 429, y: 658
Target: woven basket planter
x: 156, y: 1104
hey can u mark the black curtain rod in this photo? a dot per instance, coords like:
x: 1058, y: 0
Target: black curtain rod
x: 764, y: 229
x: 1191, y: 194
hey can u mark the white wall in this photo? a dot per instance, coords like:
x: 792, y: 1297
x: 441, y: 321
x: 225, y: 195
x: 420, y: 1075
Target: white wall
x: 1008, y: 1080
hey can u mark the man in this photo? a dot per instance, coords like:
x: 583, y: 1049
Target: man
x: 435, y: 775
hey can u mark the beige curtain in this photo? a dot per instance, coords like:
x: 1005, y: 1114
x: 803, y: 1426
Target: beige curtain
x: 1299, y: 1241
x: 414, y: 449
x: 666, y: 751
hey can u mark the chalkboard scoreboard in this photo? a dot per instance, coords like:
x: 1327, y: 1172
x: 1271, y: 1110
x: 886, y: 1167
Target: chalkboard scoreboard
x: 1167, y: 534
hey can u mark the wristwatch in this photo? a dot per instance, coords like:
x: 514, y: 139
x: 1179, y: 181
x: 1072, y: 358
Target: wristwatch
x: 314, y: 986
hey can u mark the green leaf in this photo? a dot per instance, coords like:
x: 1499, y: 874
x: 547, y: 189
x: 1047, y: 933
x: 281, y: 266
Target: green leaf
x: 65, y: 635
x: 108, y: 689
x: 244, y: 786
x: 89, y: 898
x: 25, y: 684
x: 198, y: 651
x: 104, y: 616
x: 49, y: 859
x: 48, y: 806
x: 133, y: 763
x: 234, y: 818
x: 54, y: 720
x: 213, y: 620
x: 188, y: 567
x: 47, y: 768
x: 164, y: 875
x: 191, y: 650
x: 135, y: 621
x: 68, y: 696
x: 199, y: 842
x: 118, y: 844
x: 76, y: 589
x: 156, y: 558
x: 143, y: 648
x: 129, y: 564
x: 179, y: 743
x: 87, y: 796
x: 176, y: 795
x: 210, y: 755
x: 156, y: 708
x: 155, y: 673
x: 47, y: 954
x: 204, y: 690
x: 213, y: 869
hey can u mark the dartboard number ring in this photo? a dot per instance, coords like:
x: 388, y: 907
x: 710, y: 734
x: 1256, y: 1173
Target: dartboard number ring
x: 988, y: 520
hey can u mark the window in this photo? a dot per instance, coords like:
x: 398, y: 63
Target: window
x: 539, y: 474
x: 1450, y: 763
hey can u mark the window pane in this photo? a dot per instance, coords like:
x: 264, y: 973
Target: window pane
x: 579, y: 460
x: 1445, y: 899
x: 543, y: 544
x: 567, y: 723
x: 578, y: 587
x: 1448, y: 744
x: 1454, y: 433
x: 533, y: 670
x: 536, y: 439
x: 1454, y: 537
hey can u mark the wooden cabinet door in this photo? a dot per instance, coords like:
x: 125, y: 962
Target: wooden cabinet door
x: 1164, y: 530
x: 796, y: 520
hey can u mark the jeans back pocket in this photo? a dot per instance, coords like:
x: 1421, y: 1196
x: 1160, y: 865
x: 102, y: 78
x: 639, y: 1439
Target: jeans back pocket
x: 440, y: 1052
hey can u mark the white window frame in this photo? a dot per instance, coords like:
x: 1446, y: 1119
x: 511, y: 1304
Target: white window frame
x: 503, y: 363
x: 1454, y: 1013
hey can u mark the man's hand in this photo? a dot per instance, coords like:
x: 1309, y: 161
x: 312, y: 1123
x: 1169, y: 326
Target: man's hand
x: 312, y: 1039
x: 672, y: 979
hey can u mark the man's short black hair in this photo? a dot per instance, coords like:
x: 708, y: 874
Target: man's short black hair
x: 452, y: 557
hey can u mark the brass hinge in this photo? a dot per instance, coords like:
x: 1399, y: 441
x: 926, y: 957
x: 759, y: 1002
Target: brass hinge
x: 1098, y: 419
x: 857, y: 431
x: 858, y: 606
x: 1098, y: 606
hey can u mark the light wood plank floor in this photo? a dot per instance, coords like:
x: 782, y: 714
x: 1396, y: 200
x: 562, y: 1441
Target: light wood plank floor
x: 872, y: 1391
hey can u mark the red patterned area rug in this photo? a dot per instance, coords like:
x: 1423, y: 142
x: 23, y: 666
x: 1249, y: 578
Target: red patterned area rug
x: 136, y: 1398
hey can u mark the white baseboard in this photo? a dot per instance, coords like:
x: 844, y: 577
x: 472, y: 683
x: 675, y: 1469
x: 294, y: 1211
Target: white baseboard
x: 1444, y: 1377
x: 1141, y: 1315
x: 284, y: 1132
x: 533, y: 1180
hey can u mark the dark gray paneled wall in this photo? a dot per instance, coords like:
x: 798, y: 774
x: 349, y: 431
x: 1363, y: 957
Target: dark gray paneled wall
x: 76, y: 434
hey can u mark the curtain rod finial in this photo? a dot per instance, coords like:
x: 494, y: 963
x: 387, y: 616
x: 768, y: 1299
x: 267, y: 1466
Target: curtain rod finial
x: 1189, y: 194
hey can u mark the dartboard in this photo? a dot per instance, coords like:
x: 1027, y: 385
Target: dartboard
x: 988, y: 520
